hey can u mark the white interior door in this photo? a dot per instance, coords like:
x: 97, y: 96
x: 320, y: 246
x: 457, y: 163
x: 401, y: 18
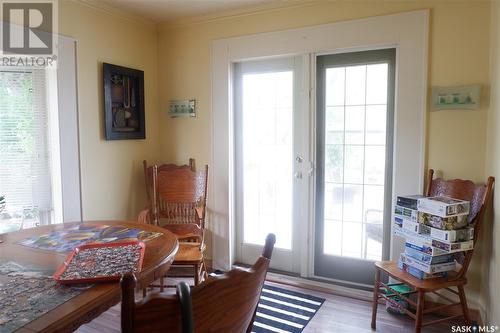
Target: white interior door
x: 269, y: 159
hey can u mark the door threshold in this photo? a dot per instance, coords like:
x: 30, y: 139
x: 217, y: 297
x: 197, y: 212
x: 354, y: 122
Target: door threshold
x: 330, y: 287
x: 325, y: 287
x: 269, y: 270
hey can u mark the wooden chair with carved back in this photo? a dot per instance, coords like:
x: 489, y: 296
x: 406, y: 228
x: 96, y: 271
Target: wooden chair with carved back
x: 148, y: 175
x: 224, y: 303
x: 178, y: 203
x: 479, y: 196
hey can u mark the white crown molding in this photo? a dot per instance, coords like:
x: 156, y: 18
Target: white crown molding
x: 198, y: 19
x: 236, y: 13
x: 117, y: 12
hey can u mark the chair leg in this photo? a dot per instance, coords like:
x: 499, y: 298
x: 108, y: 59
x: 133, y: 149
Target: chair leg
x: 203, y: 270
x: 420, y: 311
x: 376, y: 287
x: 196, y: 275
x: 463, y: 303
x: 144, y: 291
x: 162, y: 284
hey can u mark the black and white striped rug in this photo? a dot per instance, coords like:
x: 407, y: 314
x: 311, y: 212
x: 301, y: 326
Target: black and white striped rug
x: 283, y: 311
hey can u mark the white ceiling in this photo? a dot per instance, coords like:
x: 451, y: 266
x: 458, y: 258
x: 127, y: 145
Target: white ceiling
x: 167, y: 10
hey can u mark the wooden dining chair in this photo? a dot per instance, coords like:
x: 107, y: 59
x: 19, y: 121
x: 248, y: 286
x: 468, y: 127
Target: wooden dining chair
x: 223, y: 303
x: 179, y: 198
x: 479, y: 196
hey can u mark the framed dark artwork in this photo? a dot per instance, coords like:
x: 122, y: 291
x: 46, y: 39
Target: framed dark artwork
x: 123, y: 103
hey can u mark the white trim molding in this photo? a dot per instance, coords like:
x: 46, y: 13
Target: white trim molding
x: 407, y: 32
x: 69, y: 135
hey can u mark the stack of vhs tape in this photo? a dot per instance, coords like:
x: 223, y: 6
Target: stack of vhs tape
x: 434, y: 228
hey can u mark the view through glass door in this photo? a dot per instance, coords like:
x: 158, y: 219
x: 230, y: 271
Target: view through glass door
x: 355, y: 102
x: 268, y: 164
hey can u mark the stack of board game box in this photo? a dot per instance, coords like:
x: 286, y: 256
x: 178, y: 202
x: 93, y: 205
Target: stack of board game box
x: 435, y: 230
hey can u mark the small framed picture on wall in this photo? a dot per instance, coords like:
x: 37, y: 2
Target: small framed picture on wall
x: 123, y: 103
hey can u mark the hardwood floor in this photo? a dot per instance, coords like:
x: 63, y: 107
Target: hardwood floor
x: 338, y: 314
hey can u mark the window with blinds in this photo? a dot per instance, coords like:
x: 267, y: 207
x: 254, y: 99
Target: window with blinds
x: 25, y: 154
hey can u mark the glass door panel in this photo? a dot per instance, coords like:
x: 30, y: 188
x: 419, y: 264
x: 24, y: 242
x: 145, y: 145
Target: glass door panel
x: 354, y: 159
x: 267, y: 137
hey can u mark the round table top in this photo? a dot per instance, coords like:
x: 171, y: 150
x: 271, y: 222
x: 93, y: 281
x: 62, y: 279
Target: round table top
x: 158, y: 256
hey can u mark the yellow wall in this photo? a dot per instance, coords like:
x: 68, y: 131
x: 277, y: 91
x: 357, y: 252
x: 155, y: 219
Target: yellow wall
x: 459, y: 54
x: 112, y: 179
x: 491, y: 233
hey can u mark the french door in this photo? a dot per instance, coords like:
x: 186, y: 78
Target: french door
x: 352, y: 141
x: 354, y: 131
x: 269, y: 159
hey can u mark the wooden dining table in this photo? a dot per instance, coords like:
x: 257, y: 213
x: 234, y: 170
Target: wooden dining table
x: 90, y: 303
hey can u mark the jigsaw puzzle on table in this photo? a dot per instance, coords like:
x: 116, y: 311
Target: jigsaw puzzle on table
x: 66, y: 239
x: 101, y: 262
x: 27, y: 293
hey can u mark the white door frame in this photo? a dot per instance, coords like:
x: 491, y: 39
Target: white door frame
x: 69, y: 131
x: 408, y: 32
